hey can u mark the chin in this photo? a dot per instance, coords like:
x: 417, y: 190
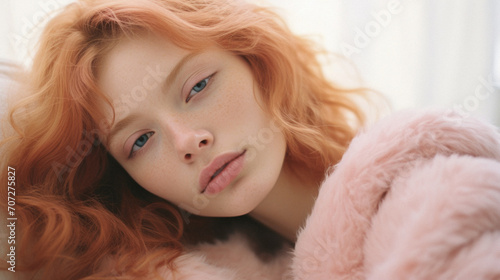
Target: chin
x: 231, y: 207
x: 228, y: 211
x: 242, y: 198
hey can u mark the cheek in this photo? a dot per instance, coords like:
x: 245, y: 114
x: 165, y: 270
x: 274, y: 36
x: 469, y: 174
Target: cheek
x: 237, y: 106
x: 159, y: 176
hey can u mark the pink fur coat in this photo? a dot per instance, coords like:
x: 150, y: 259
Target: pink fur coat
x: 416, y: 196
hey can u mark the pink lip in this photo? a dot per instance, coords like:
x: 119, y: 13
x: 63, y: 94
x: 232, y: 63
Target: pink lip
x: 232, y: 164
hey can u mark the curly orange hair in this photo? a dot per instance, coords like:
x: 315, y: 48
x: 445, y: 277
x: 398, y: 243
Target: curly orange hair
x: 76, y: 207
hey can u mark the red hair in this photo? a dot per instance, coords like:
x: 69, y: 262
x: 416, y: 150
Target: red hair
x: 76, y: 206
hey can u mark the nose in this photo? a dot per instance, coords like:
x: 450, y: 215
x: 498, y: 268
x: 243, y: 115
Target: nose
x: 190, y: 143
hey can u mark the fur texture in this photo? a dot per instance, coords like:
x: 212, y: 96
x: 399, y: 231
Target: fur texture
x: 416, y: 196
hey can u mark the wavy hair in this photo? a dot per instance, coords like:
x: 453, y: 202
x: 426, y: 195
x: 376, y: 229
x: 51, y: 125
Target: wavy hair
x: 79, y: 214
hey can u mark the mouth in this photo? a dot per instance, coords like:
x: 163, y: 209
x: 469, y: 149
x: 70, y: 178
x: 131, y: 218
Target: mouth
x: 220, y: 172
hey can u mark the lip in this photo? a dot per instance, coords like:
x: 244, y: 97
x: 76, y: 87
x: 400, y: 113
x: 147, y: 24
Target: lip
x: 232, y: 164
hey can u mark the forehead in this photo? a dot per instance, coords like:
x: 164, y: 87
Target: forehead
x: 133, y: 60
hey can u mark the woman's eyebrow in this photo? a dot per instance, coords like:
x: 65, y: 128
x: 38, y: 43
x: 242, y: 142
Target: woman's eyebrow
x: 172, y: 76
x: 119, y: 126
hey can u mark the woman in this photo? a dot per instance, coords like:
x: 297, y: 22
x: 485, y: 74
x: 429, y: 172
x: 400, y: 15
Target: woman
x: 141, y: 110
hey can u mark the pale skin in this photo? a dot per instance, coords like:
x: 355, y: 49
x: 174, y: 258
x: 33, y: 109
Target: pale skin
x: 182, y: 110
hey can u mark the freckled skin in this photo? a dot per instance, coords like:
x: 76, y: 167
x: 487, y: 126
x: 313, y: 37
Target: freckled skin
x: 219, y: 119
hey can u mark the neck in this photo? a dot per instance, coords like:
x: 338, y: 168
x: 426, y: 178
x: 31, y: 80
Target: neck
x: 287, y: 206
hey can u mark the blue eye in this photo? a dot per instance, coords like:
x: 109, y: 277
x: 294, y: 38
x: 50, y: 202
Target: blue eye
x: 140, y: 142
x: 198, y: 87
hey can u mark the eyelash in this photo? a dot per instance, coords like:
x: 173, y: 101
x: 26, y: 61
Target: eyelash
x: 205, y: 80
x: 134, y: 152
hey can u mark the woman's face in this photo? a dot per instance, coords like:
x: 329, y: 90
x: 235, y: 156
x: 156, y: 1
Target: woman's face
x: 189, y: 127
